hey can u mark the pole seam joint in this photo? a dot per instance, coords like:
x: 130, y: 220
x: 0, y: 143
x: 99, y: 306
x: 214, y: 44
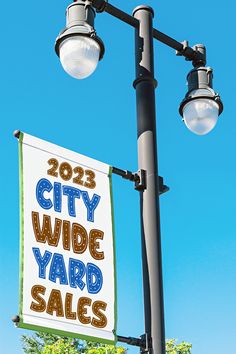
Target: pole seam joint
x: 146, y: 79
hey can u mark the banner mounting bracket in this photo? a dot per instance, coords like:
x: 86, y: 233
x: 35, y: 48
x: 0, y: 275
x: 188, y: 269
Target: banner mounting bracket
x: 139, y: 178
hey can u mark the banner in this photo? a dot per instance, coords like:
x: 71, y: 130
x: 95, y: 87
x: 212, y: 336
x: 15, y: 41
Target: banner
x: 67, y: 278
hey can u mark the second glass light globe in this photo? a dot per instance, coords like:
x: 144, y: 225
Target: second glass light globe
x: 79, y: 56
x: 201, y: 115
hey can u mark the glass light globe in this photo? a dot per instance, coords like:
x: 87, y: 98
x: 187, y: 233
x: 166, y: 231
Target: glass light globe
x: 79, y: 56
x: 200, y: 115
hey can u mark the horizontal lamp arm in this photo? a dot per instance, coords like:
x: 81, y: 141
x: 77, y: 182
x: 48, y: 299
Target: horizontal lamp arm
x: 103, y: 5
x: 181, y: 48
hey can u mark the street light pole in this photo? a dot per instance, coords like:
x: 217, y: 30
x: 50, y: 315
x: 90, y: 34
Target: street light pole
x: 200, y: 110
x: 145, y: 85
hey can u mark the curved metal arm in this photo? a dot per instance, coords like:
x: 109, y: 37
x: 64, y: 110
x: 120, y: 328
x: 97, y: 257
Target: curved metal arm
x: 191, y: 54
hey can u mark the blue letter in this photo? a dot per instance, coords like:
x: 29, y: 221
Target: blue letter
x: 58, y: 269
x: 72, y: 193
x: 57, y: 196
x: 43, y: 186
x: 94, y: 279
x: 42, y: 261
x: 76, y: 273
x: 91, y: 205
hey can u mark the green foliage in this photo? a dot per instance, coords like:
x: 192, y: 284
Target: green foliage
x: 40, y: 341
x: 173, y: 348
x: 106, y: 349
x: 44, y: 343
x: 34, y: 344
x: 61, y: 346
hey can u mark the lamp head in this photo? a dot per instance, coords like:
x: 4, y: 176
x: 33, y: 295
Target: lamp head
x: 201, y: 106
x: 78, y: 46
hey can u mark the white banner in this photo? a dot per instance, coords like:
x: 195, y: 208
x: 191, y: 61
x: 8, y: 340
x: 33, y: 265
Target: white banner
x: 67, y: 246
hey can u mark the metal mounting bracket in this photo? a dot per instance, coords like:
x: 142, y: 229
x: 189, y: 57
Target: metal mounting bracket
x: 124, y: 173
x: 139, y: 178
x: 196, y: 54
x: 144, y: 342
x: 16, y: 319
x: 137, y: 342
x: 181, y: 52
x: 147, y: 344
x: 101, y: 5
x: 162, y: 187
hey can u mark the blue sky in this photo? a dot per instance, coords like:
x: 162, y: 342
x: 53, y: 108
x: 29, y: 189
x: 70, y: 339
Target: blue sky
x: 97, y: 117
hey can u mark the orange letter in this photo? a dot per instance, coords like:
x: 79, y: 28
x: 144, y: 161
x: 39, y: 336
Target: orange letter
x: 96, y: 310
x: 94, y: 246
x: 83, y: 301
x: 41, y: 306
x: 66, y: 235
x: 68, y: 306
x: 79, y: 230
x: 55, y: 303
x: 46, y: 233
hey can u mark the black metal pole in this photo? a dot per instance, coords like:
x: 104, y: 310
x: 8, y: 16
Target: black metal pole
x: 145, y: 85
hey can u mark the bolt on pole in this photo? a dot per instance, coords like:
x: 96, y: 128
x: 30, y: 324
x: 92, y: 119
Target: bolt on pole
x: 145, y: 85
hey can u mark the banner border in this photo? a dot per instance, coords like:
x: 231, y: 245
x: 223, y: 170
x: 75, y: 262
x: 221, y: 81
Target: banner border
x: 21, y: 323
x: 21, y: 224
x: 64, y: 333
x: 114, y: 253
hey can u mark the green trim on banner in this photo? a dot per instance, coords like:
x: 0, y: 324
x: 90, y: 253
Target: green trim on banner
x: 21, y: 224
x: 24, y: 325
x: 114, y: 252
x: 63, y: 333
